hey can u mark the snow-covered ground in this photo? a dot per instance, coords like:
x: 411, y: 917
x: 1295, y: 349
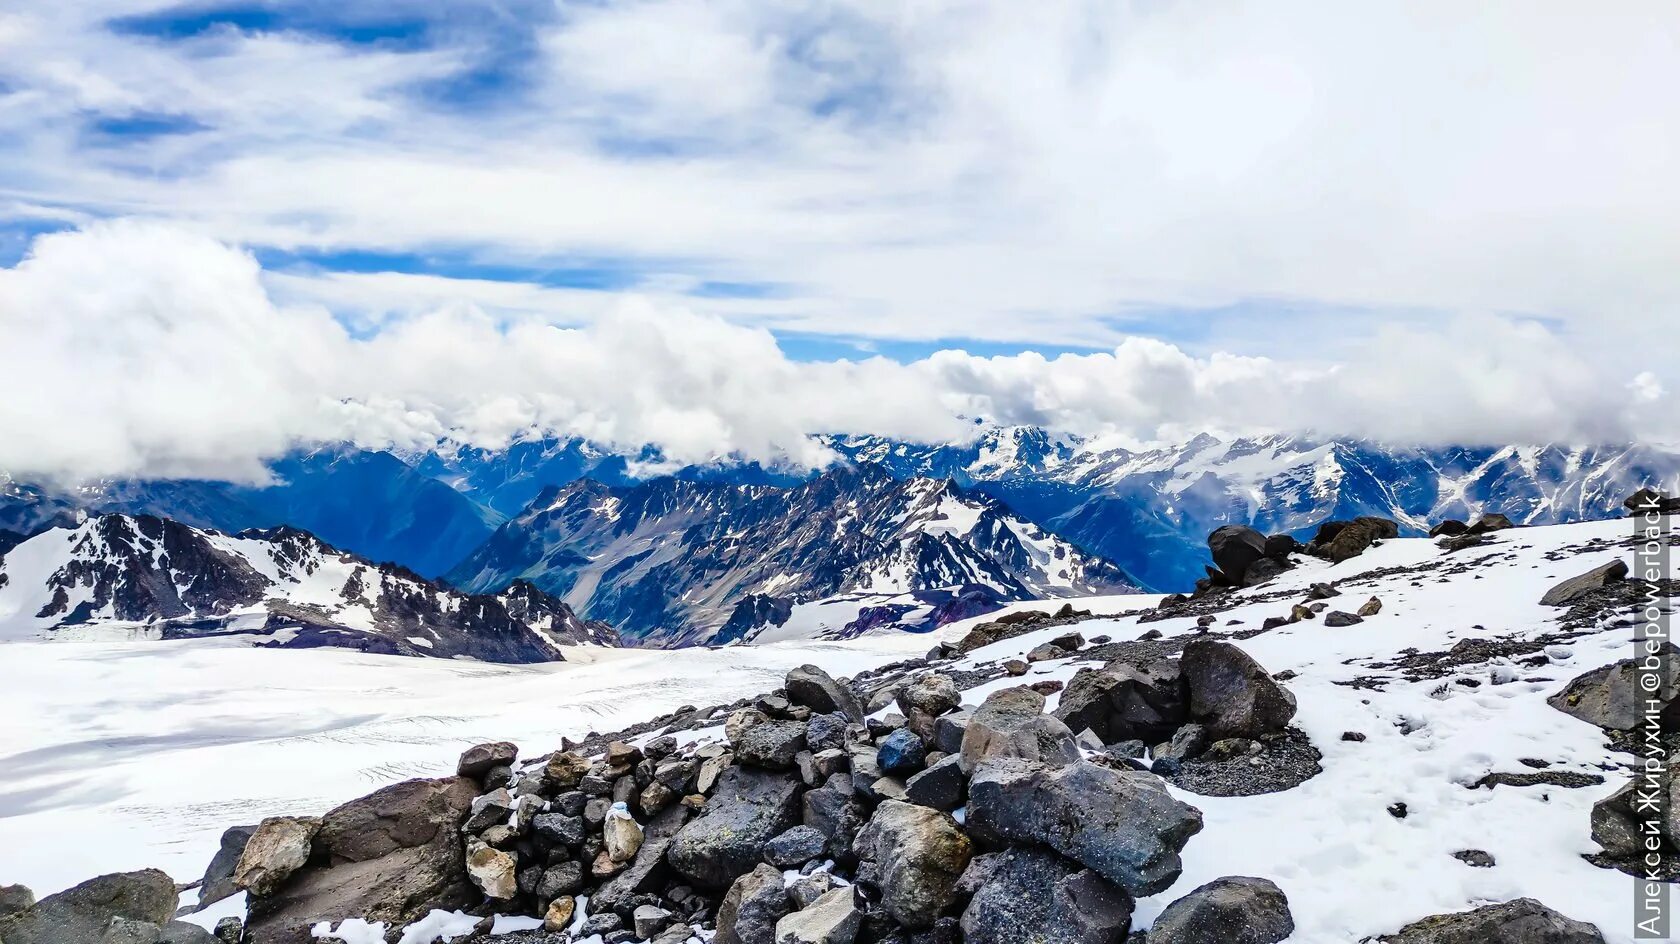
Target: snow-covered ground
x: 120, y: 755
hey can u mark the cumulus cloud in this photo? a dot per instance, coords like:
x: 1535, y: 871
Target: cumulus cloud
x: 137, y: 349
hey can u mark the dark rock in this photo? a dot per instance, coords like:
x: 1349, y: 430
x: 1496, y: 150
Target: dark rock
x: 476, y: 761
x: 920, y: 853
x: 1011, y: 723
x: 1449, y: 527
x: 933, y: 694
x: 1122, y: 702
x: 810, y: 686
x: 901, y: 753
x: 826, y: 732
x: 1609, y: 698
x: 941, y: 786
x: 1338, y: 541
x: 15, y: 898
x: 564, y: 878
x: 560, y: 829
x: 1490, y: 522
x: 1575, y: 588
x: 1336, y: 618
x: 1523, y: 921
x: 1025, y: 894
x: 832, y: 919
x: 773, y: 745
x: 1121, y: 823
x: 751, y: 908
x: 747, y: 809
x: 1187, y: 742
x: 795, y: 847
x: 218, y: 876
x: 80, y: 915
x: 1475, y: 858
x: 1231, y: 694
x: 948, y: 730
x: 1235, y: 547
x: 648, y: 870
x: 280, y: 846
x: 1235, y: 910
x: 1263, y: 570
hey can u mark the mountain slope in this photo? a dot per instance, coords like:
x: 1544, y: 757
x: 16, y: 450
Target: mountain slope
x: 153, y: 577
x: 674, y: 560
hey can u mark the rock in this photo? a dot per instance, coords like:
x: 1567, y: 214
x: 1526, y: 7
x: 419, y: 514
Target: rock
x: 1338, y: 541
x: 831, y: 919
x: 920, y: 853
x: 1263, y: 570
x: 1460, y: 542
x: 933, y: 694
x: 279, y: 847
x: 230, y: 930
x: 1011, y: 723
x: 748, y: 809
x: 1235, y: 910
x: 494, y: 872
x: 795, y: 847
x: 1575, y: 588
x: 490, y: 809
x: 1618, y: 820
x: 901, y: 753
x: 80, y: 915
x: 562, y: 878
x: 740, y: 721
x: 558, y: 916
x: 1231, y: 694
x: 1121, y: 823
x: 941, y: 786
x: 648, y: 871
x: 565, y: 769
x: 620, y: 754
x: 1650, y: 501
x: 811, y: 887
x: 476, y: 761
x: 649, y: 920
x: 1046, y: 653
x: 948, y: 730
x: 15, y: 898
x: 128, y: 931
x: 815, y: 689
x: 1121, y: 701
x: 1300, y: 613
x: 1490, y: 522
x: 621, y: 833
x: 1015, y: 668
x: 1189, y: 741
x: 390, y: 856
x: 1448, y: 528
x: 1026, y: 894
x: 751, y: 908
x: 773, y: 745
x: 1475, y: 858
x: 1338, y: 618
x: 833, y: 812
x: 1370, y: 607
x: 217, y: 883
x: 1235, y: 547
x: 180, y: 932
x: 826, y: 732
x: 1607, y: 696
x: 558, y: 829
x: 1523, y: 921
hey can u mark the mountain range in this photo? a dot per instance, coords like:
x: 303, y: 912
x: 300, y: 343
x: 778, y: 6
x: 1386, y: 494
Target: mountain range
x: 155, y: 577
x: 733, y: 550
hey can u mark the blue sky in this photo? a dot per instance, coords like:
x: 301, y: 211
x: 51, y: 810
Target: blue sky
x: 1051, y: 190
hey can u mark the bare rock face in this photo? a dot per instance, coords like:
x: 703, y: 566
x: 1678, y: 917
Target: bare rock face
x: 920, y: 853
x: 1231, y: 694
x: 1234, y: 910
x: 389, y: 856
x: 1338, y: 541
x: 1522, y: 921
x: 1026, y: 894
x: 1012, y: 723
x: 81, y: 915
x: 1122, y: 824
x: 280, y: 846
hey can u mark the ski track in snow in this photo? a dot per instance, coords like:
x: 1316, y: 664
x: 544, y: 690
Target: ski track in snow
x: 131, y: 754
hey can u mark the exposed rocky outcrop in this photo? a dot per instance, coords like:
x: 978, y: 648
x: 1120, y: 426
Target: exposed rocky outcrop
x: 1609, y: 697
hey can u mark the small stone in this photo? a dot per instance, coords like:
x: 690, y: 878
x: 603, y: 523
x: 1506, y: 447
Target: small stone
x: 493, y: 871
x: 1371, y: 607
x: 1015, y: 667
x: 1338, y: 618
x: 1475, y: 858
x: 621, y: 833
x: 477, y: 761
x: 558, y: 917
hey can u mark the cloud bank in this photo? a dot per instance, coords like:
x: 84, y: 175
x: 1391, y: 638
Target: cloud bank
x: 140, y: 349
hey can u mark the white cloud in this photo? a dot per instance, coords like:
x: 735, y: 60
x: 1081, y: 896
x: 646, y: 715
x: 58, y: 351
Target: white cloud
x: 140, y: 349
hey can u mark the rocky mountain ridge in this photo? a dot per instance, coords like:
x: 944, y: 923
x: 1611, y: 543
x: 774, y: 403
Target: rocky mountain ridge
x: 153, y: 577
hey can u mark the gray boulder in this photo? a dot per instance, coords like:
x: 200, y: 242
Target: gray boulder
x: 942, y: 786
x: 1235, y: 547
x: 1122, y: 702
x: 1575, y: 588
x: 1234, y: 910
x: 1522, y: 921
x: 1012, y: 723
x: 919, y: 853
x: 795, y: 847
x: 15, y: 898
x: 1339, y: 618
x: 810, y: 686
x: 217, y: 883
x: 1608, y: 696
x: 773, y: 745
x: 1121, y: 823
x: 476, y: 761
x: 1231, y: 694
x: 747, y: 809
x: 1026, y: 894
x: 832, y: 919
x: 280, y: 846
x: 390, y: 856
x: 751, y: 908
x: 80, y: 915
x: 931, y: 694
x: 180, y: 932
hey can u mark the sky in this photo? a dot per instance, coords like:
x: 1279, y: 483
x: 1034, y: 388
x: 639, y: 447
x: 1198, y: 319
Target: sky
x: 230, y: 229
